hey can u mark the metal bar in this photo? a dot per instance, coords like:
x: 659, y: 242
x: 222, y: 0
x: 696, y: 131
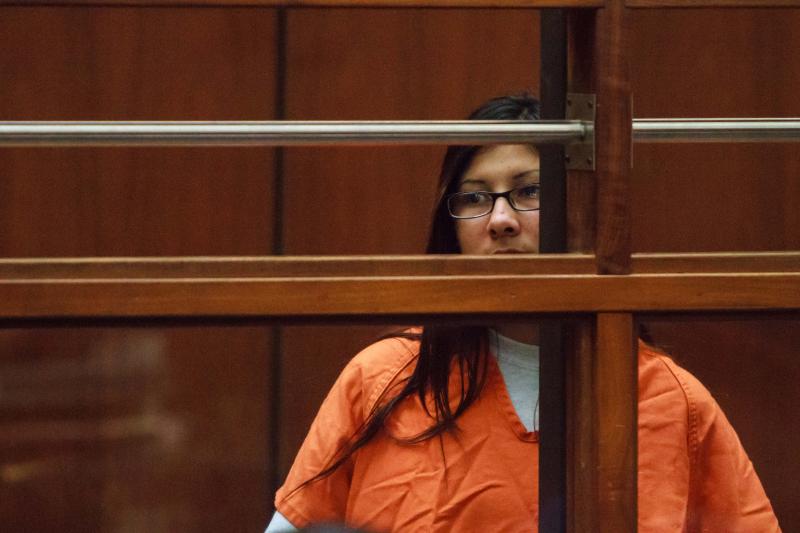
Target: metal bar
x: 716, y: 130
x: 552, y: 239
x: 291, y: 133
x: 285, y: 133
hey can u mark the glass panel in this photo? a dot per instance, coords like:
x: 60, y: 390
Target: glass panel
x: 714, y: 197
x: 241, y: 201
x: 751, y: 370
x: 144, y: 429
x: 192, y: 428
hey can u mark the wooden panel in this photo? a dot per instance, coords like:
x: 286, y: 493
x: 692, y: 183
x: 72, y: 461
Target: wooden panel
x: 135, y: 429
x: 396, y: 297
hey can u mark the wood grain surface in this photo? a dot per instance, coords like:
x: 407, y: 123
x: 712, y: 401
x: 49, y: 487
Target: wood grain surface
x: 396, y: 297
x: 613, y: 139
x: 495, y: 4
x: 712, y: 3
x: 615, y: 395
x: 383, y: 265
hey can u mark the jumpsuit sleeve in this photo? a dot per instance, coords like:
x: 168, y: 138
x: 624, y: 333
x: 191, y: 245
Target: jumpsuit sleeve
x: 725, y: 492
x: 338, y: 419
x: 360, y: 385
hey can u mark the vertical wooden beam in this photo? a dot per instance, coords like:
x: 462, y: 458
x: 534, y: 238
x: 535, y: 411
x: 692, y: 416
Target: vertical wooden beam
x: 602, y: 384
x: 614, y: 368
x: 615, y: 386
x: 602, y: 393
x: 613, y: 138
x: 581, y: 478
x: 579, y: 353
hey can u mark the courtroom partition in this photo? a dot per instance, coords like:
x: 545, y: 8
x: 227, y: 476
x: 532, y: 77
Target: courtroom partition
x: 612, y: 326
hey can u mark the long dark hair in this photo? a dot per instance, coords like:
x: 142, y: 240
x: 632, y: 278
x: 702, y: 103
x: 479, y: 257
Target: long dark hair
x: 442, y: 348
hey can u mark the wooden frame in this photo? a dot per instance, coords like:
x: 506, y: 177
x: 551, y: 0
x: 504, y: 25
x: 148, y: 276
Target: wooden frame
x: 601, y: 278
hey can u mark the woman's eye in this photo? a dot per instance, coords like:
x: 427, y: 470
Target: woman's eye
x: 474, y: 198
x: 529, y: 191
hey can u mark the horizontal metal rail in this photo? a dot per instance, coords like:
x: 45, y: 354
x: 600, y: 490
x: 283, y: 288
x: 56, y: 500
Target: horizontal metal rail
x: 716, y: 130
x: 349, y: 133
x: 287, y: 133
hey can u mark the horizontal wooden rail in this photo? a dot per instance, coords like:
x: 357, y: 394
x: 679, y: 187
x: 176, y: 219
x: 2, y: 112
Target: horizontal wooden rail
x: 121, y: 268
x: 320, y: 3
x: 348, y: 294
x: 496, y: 4
x: 396, y: 296
x: 712, y: 3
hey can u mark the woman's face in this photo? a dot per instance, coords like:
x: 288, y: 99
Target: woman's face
x: 498, y: 169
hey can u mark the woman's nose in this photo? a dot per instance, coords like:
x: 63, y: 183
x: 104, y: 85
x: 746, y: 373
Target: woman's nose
x: 503, y: 220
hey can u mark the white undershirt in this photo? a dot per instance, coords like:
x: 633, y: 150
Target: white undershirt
x: 519, y: 364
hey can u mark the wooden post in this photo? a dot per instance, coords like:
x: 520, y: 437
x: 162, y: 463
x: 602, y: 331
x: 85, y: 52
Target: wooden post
x: 615, y: 392
x: 613, y: 138
x: 615, y: 383
x: 601, y: 384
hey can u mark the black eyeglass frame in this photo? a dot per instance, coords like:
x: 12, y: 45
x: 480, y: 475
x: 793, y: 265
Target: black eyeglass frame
x: 494, y: 196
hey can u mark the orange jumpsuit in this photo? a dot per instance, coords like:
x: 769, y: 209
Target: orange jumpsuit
x: 693, y: 473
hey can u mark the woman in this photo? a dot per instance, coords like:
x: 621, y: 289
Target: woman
x: 435, y: 429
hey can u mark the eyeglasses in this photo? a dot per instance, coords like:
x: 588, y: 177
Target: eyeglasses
x: 479, y: 203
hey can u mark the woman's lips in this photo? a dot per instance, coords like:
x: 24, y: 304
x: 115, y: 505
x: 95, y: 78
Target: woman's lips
x: 508, y: 251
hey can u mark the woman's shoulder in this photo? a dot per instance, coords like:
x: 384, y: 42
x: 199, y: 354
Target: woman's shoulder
x: 668, y: 390
x: 657, y: 370
x: 382, y: 365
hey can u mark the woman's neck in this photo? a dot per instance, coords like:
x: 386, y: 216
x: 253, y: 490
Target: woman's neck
x: 527, y: 333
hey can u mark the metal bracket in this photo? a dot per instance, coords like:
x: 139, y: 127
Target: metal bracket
x: 579, y: 155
